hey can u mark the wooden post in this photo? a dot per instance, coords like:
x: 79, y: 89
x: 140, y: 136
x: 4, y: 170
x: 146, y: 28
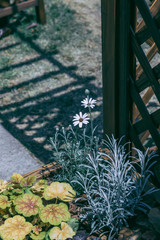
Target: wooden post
x: 108, y: 8
x: 122, y: 67
x: 40, y: 12
x: 116, y: 61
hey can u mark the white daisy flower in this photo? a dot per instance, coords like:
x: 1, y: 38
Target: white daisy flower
x: 88, y: 102
x: 80, y: 119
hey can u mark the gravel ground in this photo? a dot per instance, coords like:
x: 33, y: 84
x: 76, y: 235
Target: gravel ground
x: 44, y: 78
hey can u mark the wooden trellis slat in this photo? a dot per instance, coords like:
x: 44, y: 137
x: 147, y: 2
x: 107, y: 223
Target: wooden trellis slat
x: 139, y: 71
x: 145, y: 33
x: 147, y: 17
x: 150, y: 54
x: 144, y: 113
x: 146, y: 77
x: 140, y: 126
x: 154, y: 9
x: 145, y: 65
x: 142, y: 83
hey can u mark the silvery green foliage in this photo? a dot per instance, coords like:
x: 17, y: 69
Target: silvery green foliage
x: 114, y: 189
x: 70, y: 149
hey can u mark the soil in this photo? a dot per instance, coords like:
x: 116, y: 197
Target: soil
x: 143, y: 226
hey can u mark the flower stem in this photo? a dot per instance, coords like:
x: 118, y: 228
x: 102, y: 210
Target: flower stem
x: 91, y: 119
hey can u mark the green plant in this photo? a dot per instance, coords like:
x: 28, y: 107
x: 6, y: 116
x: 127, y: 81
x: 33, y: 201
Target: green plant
x: 113, y: 187
x: 25, y: 212
x: 109, y: 179
x: 72, y: 146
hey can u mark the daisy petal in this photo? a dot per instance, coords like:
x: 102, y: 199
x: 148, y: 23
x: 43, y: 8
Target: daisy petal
x: 80, y: 119
x: 88, y: 102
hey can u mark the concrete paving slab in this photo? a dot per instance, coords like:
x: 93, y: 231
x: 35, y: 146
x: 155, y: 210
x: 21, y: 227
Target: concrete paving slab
x: 13, y: 156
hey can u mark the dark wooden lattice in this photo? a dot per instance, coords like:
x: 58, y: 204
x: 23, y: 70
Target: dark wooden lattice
x: 146, y: 85
x: 130, y: 80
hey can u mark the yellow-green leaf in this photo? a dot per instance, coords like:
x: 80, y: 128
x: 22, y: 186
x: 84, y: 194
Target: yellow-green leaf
x: 12, y: 211
x: 2, y: 212
x: 3, y: 185
x: 39, y: 186
x: 18, y: 191
x: 61, y: 234
x: 17, y: 178
x: 37, y: 229
x: 14, y: 198
x: 15, y: 228
x: 28, y: 204
x: 40, y: 236
x: 27, y: 182
x: 63, y: 191
x: 54, y: 233
x: 55, y: 213
x: 4, y: 203
x: 6, y: 215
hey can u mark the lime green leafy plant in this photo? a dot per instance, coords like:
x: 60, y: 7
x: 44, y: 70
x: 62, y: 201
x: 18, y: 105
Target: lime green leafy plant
x: 25, y: 212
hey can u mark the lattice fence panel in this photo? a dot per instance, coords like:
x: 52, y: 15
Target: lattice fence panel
x: 145, y: 90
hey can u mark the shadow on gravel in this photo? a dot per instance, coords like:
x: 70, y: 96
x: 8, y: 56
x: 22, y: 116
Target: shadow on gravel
x: 33, y: 120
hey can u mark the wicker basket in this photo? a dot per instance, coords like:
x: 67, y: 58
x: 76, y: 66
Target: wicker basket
x: 43, y: 171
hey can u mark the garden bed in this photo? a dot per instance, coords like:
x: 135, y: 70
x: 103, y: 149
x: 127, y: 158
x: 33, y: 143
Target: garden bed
x: 44, y: 95
x: 141, y: 227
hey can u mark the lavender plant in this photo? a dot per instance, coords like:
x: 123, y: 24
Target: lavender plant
x: 113, y: 187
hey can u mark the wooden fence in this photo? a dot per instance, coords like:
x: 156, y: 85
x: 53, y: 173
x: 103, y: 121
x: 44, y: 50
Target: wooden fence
x: 129, y: 81
x: 20, y: 6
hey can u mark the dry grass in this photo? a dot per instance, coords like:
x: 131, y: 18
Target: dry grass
x: 44, y: 71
